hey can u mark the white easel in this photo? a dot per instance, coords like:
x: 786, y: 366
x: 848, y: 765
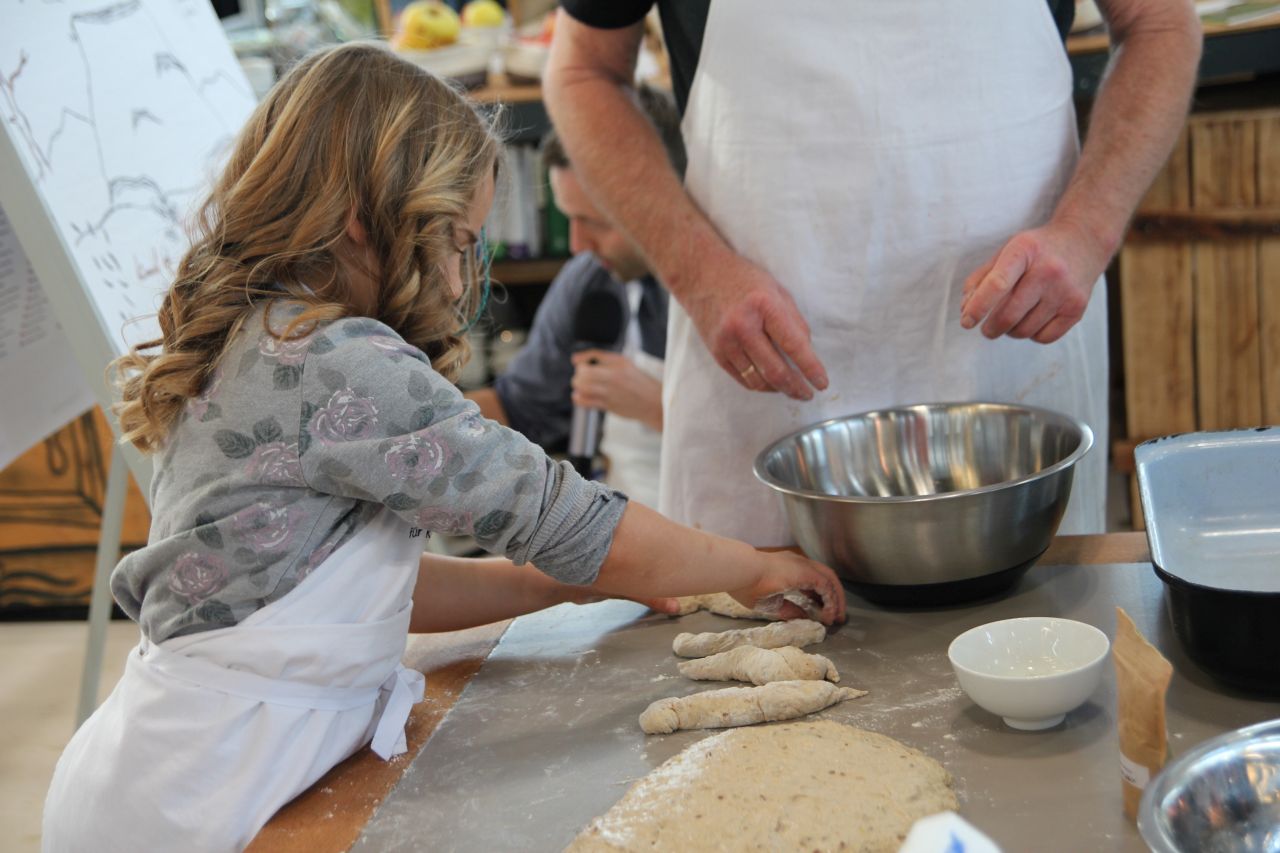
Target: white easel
x: 115, y: 115
x: 100, y: 602
x: 52, y: 262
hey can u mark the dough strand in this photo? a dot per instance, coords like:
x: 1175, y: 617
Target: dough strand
x: 721, y: 604
x: 798, y: 632
x: 743, y: 706
x: 760, y: 666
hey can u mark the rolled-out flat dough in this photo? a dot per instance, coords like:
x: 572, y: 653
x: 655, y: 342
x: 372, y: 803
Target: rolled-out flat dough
x: 760, y: 666
x: 743, y: 706
x: 798, y: 632
x: 720, y: 603
x: 800, y: 786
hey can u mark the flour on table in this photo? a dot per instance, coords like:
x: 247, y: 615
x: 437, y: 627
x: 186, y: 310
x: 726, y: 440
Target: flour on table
x: 800, y: 786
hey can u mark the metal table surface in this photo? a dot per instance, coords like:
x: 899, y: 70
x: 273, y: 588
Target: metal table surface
x: 545, y: 737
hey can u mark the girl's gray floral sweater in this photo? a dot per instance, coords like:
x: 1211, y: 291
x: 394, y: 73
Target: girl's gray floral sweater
x: 294, y: 445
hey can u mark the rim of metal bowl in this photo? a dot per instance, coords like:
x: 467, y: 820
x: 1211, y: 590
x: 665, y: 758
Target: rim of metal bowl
x: 1086, y: 444
x: 1151, y: 829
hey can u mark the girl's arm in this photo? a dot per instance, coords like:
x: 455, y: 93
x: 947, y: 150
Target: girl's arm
x: 652, y: 555
x: 381, y: 426
x: 453, y: 593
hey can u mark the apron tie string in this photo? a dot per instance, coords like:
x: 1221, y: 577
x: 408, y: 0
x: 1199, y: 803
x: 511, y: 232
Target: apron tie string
x: 406, y: 688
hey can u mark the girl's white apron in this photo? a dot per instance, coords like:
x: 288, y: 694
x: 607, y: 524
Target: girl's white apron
x: 207, y: 735
x: 871, y: 155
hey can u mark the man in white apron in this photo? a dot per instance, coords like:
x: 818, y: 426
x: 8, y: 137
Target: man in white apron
x: 884, y: 203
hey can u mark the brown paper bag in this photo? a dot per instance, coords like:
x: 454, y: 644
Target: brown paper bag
x: 1142, y: 680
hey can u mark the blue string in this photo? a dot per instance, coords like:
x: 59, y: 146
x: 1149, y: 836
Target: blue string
x: 486, y: 260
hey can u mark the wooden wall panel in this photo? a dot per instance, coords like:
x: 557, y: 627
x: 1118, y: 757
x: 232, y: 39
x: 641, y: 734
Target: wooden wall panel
x: 1269, y: 266
x: 1157, y: 299
x: 1157, y: 310
x: 1227, y: 324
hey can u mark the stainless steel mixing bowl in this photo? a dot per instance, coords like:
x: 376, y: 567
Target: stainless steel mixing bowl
x: 928, y: 504
x: 1224, y: 795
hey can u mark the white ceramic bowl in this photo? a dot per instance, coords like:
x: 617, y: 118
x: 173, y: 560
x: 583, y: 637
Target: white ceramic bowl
x: 1030, y: 671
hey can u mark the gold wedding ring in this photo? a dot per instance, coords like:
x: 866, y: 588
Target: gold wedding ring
x: 746, y: 374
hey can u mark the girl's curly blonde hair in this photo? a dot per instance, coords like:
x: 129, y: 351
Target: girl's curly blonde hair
x: 352, y: 130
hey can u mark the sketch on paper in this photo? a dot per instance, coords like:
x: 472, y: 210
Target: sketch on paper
x: 121, y: 113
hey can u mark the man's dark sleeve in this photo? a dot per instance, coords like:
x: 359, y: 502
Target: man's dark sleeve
x: 607, y: 14
x: 535, y: 390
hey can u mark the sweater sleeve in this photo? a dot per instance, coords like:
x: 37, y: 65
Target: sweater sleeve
x: 378, y: 424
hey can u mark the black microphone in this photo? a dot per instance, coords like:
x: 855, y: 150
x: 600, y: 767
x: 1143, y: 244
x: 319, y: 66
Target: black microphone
x: 597, y: 325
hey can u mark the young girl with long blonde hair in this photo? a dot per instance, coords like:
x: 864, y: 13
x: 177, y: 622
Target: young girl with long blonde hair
x: 307, y: 439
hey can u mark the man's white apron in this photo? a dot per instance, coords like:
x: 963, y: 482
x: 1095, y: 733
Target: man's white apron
x: 207, y: 735
x: 870, y: 156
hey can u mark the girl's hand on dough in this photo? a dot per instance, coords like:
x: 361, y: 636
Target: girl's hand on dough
x: 787, y: 572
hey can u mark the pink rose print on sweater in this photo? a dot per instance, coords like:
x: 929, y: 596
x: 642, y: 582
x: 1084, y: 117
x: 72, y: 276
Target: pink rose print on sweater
x: 416, y: 457
x: 317, y: 557
x: 199, y: 405
x: 386, y: 343
x: 435, y: 518
x: 265, y: 526
x: 195, y: 576
x: 472, y: 423
x: 346, y: 417
x: 276, y: 463
x: 292, y: 351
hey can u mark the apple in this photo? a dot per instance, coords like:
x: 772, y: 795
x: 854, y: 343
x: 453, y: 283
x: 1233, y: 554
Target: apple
x: 483, y: 13
x: 426, y: 24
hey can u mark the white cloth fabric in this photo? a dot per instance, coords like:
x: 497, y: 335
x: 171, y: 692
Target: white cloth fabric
x: 207, y: 735
x: 946, y: 832
x: 870, y: 159
x: 632, y: 447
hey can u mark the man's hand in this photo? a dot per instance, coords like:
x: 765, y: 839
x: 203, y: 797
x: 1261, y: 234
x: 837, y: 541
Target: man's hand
x: 747, y: 320
x: 1037, y: 286
x: 612, y: 382
x: 752, y: 327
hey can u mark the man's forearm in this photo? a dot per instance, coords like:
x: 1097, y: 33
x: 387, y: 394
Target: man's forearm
x: 1139, y: 112
x: 622, y: 161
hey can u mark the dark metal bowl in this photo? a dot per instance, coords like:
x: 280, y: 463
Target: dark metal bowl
x: 1229, y: 634
x: 929, y: 504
